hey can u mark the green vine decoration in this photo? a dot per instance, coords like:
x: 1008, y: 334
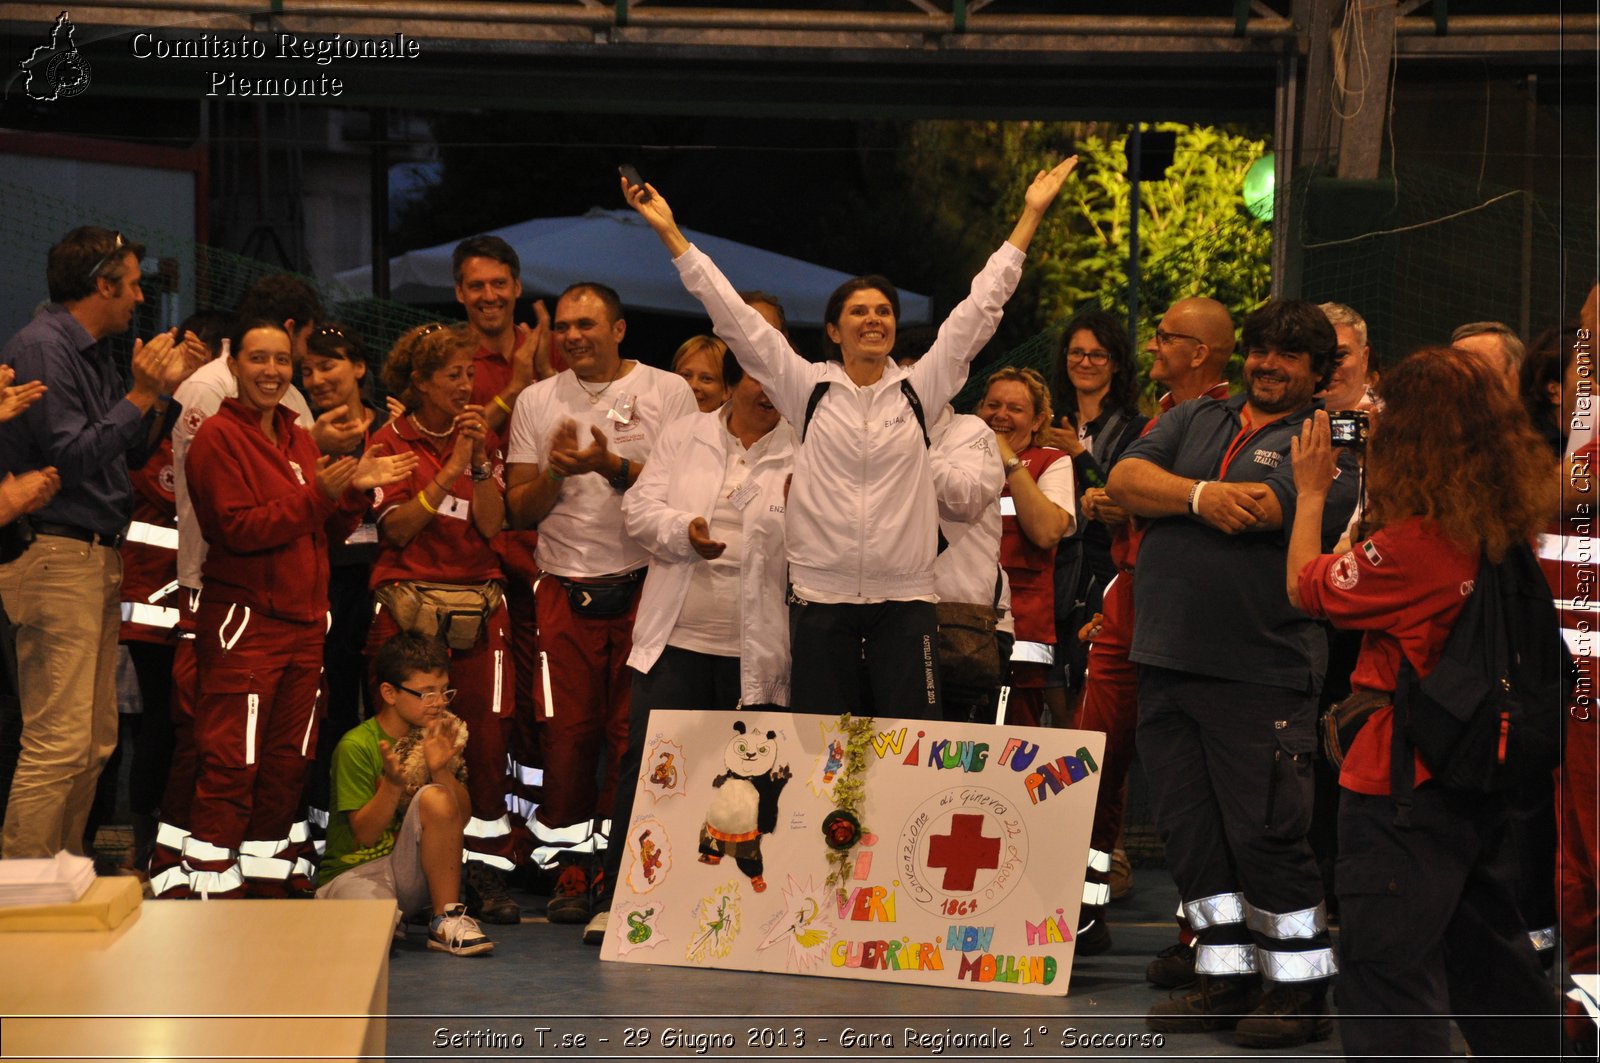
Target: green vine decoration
x: 849, y: 788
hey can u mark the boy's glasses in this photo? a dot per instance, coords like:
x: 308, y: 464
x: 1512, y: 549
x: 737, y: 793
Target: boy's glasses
x: 432, y: 697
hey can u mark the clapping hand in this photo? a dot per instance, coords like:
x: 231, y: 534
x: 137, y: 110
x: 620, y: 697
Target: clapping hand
x: 28, y: 492
x: 335, y: 475
x: 336, y: 430
x: 1233, y: 507
x: 14, y: 398
x: 391, y: 765
x: 378, y: 468
x: 593, y: 458
x: 439, y: 743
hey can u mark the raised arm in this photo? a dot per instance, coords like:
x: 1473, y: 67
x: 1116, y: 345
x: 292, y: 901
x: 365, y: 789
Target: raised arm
x: 761, y: 349
x: 1313, y: 458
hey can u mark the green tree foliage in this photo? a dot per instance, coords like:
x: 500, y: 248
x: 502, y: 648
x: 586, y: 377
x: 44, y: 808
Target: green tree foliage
x: 1195, y: 237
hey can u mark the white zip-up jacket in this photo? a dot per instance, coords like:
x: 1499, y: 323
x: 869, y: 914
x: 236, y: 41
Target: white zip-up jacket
x: 679, y: 483
x: 862, y: 516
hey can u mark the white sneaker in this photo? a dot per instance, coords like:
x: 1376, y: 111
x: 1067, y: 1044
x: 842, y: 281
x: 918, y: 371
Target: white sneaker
x: 595, y: 932
x: 457, y: 933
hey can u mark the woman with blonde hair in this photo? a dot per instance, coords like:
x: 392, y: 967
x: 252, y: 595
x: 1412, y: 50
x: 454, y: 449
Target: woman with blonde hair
x: 699, y: 361
x: 1037, y: 507
x: 1429, y: 930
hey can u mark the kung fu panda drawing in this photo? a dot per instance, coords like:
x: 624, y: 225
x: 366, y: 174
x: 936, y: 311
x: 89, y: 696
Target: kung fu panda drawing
x: 746, y: 803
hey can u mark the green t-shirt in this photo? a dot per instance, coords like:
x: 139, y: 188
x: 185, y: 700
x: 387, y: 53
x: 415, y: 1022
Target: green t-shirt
x: 357, y: 768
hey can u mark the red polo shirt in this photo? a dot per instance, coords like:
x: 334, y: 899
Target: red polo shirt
x: 449, y: 548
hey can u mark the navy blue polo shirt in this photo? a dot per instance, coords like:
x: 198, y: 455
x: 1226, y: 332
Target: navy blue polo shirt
x: 1214, y: 604
x: 83, y: 425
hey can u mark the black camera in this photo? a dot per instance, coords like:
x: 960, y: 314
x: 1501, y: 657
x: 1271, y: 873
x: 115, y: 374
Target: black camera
x: 1349, y: 428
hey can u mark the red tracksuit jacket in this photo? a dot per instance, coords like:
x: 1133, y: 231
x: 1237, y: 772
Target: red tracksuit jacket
x: 265, y: 521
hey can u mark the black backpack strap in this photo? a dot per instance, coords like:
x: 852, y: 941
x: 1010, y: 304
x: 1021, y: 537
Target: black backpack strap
x: 811, y: 407
x: 916, y: 408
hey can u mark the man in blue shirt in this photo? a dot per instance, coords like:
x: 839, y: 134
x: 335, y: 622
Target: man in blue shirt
x: 1228, y: 679
x: 61, y: 592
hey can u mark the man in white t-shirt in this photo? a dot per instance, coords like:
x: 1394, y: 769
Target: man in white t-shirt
x: 276, y: 297
x: 578, y: 441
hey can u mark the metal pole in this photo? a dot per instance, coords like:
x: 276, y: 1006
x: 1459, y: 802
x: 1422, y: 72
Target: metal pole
x: 378, y: 156
x: 1135, y: 144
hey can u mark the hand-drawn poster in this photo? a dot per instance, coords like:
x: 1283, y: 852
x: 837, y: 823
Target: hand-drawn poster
x: 886, y: 850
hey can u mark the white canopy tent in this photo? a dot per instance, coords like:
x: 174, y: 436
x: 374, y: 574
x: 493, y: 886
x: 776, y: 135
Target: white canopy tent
x: 617, y: 248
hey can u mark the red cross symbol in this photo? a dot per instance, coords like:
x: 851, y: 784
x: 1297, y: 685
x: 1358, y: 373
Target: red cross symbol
x: 962, y: 852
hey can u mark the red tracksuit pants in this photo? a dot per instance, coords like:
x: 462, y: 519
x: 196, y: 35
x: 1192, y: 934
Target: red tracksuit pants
x: 1110, y: 704
x: 483, y: 678
x: 583, y: 704
x: 255, y: 734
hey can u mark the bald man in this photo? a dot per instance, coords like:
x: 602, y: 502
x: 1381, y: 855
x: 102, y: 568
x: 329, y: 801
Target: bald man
x: 1191, y: 346
x: 1497, y: 343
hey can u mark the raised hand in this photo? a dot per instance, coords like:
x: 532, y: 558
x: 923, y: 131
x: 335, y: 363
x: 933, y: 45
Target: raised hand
x: 1047, y: 185
x: 334, y: 475
x: 396, y: 408
x: 378, y: 468
x: 14, y: 398
x: 656, y: 213
x: 1313, y: 457
x: 1037, y: 199
x: 539, y: 339
x: 700, y: 538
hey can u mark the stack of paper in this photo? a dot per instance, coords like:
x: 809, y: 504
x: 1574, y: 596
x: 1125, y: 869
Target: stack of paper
x: 60, y: 880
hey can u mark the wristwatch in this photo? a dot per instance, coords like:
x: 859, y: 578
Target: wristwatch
x: 620, y: 480
x: 482, y: 472
x: 1013, y: 465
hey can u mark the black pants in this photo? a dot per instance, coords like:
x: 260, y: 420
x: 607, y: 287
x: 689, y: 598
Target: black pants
x: 152, y: 748
x: 1429, y: 930
x: 895, y: 644
x: 1229, y: 767
x: 344, y: 666
x: 680, y: 679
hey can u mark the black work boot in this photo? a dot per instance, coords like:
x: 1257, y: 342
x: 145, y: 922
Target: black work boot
x: 1212, y: 1004
x: 486, y: 895
x: 1094, y: 936
x: 1173, y: 967
x: 1289, y: 1015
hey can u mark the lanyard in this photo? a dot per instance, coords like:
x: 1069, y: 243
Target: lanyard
x: 1247, y: 432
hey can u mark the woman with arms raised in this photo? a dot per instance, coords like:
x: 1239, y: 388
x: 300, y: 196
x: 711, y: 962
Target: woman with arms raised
x: 862, y: 519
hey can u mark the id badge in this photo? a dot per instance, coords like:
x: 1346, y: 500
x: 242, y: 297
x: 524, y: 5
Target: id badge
x: 742, y: 497
x: 453, y: 506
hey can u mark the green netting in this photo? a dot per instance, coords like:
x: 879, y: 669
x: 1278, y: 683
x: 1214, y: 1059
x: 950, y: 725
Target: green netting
x: 1184, y: 272
x: 1416, y: 255
x: 1428, y: 250
x: 181, y: 276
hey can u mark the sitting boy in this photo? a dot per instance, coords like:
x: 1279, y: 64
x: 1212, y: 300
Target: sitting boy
x: 399, y: 805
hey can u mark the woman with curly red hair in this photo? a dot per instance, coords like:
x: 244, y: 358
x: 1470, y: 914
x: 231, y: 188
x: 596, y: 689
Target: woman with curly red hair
x: 1429, y: 930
